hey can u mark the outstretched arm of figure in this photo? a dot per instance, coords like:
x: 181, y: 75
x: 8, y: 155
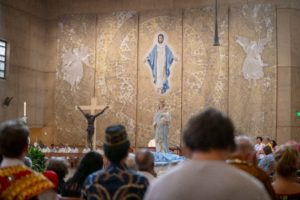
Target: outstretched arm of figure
x: 262, y: 43
x: 102, y: 111
x: 244, y: 42
x: 81, y: 110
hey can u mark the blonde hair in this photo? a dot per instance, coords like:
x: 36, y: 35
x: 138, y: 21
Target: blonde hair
x: 287, y: 158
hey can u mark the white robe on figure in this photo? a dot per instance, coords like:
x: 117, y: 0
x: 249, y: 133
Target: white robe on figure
x: 161, y: 122
x: 253, y: 64
x: 161, y: 71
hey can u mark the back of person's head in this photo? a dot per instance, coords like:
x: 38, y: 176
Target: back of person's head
x: 59, y: 166
x: 286, y: 161
x: 244, y: 149
x: 267, y: 140
x: 210, y: 129
x: 13, y: 138
x: 293, y: 143
x: 244, y: 144
x: 116, y: 145
x: 144, y: 160
x: 274, y: 143
x: 267, y: 149
x: 91, y: 162
x: 259, y: 138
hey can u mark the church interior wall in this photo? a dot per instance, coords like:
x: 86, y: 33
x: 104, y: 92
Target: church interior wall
x: 56, y: 8
x: 24, y: 26
x: 284, y: 75
x: 203, y: 76
x: 118, y: 77
x: 295, y: 71
x: 288, y: 74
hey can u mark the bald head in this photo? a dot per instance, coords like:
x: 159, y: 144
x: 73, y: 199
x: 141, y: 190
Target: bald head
x: 144, y: 160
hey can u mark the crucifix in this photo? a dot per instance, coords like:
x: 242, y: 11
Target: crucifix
x: 91, y: 137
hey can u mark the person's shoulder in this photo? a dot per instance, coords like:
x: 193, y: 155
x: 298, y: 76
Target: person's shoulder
x: 138, y: 177
x: 241, y: 176
x: 95, y: 176
x: 175, y: 173
x: 6, y: 171
x: 244, y: 183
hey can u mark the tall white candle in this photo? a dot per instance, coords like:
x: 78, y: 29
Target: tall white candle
x: 24, y: 108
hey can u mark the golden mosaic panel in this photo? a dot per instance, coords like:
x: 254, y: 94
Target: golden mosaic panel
x: 205, y: 71
x: 150, y: 24
x: 75, y: 76
x: 252, y: 68
x: 116, y: 71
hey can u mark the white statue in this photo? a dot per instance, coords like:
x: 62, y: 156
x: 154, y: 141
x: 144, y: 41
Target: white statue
x: 253, y: 64
x: 162, y: 119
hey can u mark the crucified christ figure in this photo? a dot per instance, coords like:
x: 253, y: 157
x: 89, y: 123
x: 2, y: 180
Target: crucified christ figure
x: 91, y: 127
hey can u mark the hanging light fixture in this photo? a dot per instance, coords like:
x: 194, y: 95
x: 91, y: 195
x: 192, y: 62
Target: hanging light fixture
x: 216, y: 36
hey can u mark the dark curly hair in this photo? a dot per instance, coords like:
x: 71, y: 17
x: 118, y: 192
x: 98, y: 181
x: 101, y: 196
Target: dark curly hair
x: 13, y: 138
x: 210, y: 129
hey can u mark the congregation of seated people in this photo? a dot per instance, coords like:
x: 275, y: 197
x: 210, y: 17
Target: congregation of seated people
x: 220, y: 163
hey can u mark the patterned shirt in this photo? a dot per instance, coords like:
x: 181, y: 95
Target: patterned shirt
x: 115, y: 182
x: 21, y: 183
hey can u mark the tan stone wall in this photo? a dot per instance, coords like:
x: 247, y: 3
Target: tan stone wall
x: 60, y: 7
x: 29, y: 79
x: 295, y: 73
x: 205, y: 71
x: 37, y: 55
x: 116, y: 71
x: 288, y: 75
x: 76, y: 52
x: 252, y: 103
x: 202, y: 75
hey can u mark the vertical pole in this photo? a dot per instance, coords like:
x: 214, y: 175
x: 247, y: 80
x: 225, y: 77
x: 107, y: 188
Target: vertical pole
x: 216, y: 36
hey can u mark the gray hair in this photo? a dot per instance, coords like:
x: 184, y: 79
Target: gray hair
x: 243, y: 143
x: 144, y: 160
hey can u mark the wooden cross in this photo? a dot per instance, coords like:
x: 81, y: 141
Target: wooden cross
x: 93, y: 108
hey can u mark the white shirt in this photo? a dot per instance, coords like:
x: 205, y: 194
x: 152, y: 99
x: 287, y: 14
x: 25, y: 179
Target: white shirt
x: 258, y: 148
x: 86, y: 150
x: 161, y: 63
x: 211, y: 180
x: 9, y: 162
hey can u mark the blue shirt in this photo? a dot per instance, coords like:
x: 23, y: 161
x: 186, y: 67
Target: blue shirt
x: 115, y: 182
x: 266, y: 161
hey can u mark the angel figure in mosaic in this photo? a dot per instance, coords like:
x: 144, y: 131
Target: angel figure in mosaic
x: 253, y: 64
